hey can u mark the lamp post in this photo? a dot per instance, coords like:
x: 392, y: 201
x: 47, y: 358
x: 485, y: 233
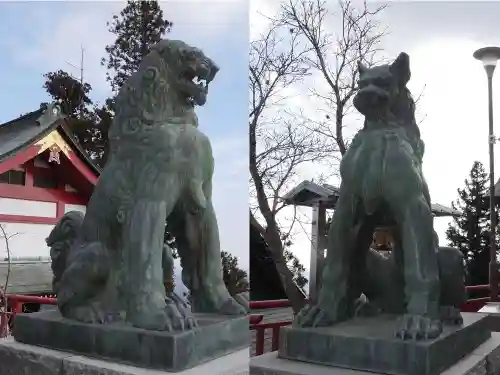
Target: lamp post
x: 489, y: 56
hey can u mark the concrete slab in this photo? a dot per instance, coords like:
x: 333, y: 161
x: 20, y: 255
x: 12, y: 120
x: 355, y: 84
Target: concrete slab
x: 215, y: 336
x: 368, y: 344
x: 485, y: 360
x: 22, y: 359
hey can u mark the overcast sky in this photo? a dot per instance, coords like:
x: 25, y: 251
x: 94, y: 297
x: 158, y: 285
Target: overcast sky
x: 440, y: 39
x: 38, y: 37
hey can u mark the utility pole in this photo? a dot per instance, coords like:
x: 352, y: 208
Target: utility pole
x: 81, y: 64
x: 80, y: 79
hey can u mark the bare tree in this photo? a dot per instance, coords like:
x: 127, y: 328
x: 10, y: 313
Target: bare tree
x: 4, y: 317
x: 282, y: 140
x: 278, y: 145
x: 355, y: 36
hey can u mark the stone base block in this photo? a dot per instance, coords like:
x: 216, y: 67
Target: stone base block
x: 21, y: 359
x: 368, y: 344
x: 484, y: 360
x: 215, y: 336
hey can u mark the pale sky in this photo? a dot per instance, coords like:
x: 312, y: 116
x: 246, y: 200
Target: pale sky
x: 48, y: 36
x: 440, y: 39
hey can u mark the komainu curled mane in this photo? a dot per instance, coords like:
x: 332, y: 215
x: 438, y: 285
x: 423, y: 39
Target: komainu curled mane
x: 108, y: 264
x: 383, y: 184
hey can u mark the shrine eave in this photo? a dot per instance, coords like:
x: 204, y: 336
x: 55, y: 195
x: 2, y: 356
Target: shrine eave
x: 24, y: 138
x: 310, y: 194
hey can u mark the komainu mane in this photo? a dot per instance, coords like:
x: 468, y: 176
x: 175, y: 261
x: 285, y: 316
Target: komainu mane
x: 383, y: 184
x: 108, y: 264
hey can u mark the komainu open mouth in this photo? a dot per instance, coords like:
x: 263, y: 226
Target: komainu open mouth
x: 198, y: 76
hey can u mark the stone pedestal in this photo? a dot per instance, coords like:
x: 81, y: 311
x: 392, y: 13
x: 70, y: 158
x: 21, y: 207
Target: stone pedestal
x: 368, y: 344
x: 484, y: 360
x: 22, y: 359
x: 215, y: 337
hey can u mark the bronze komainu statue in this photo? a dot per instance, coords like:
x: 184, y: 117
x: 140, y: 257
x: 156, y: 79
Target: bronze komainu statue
x: 383, y: 184
x: 108, y: 264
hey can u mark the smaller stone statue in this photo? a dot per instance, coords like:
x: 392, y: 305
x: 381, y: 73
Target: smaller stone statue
x: 383, y: 185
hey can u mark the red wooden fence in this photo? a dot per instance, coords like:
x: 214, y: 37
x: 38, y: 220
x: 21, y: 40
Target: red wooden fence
x: 16, y: 302
x: 471, y: 305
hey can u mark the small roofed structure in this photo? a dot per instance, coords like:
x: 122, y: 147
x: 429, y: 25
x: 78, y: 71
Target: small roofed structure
x: 309, y: 194
x: 323, y: 197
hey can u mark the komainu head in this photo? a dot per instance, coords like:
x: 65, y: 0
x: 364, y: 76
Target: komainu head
x: 382, y: 90
x: 170, y: 81
x: 190, y: 71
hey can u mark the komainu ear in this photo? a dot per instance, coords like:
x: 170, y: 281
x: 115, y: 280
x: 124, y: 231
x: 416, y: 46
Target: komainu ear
x: 401, y: 68
x: 361, y: 67
x: 162, y: 47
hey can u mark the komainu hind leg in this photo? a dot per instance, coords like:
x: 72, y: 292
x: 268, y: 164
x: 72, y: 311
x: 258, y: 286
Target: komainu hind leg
x: 171, y: 295
x: 143, y: 234
x: 82, y: 293
x: 422, y: 286
x: 337, y: 297
x: 197, y: 238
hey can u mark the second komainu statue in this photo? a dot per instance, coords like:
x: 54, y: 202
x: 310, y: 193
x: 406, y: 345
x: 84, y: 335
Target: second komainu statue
x: 383, y: 184
x: 107, y: 263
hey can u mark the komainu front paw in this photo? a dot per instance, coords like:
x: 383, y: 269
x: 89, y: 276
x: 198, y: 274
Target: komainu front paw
x: 232, y: 307
x: 179, y: 316
x: 172, y: 318
x: 450, y: 315
x: 418, y: 327
x: 91, y: 313
x: 313, y: 316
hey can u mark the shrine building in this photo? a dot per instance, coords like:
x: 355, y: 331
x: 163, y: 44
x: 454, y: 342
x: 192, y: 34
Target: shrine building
x: 44, y: 173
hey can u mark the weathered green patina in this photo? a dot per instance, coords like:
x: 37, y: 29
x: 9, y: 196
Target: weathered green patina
x: 383, y: 184
x: 108, y: 264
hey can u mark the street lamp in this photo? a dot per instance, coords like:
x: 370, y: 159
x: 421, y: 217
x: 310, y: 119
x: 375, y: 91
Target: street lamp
x: 489, y: 56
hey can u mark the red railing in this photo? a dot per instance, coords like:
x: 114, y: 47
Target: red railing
x: 471, y: 305
x: 15, y: 303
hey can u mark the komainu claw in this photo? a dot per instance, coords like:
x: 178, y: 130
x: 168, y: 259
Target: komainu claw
x: 418, y: 327
x: 313, y: 316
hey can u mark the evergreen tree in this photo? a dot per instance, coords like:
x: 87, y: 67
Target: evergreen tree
x: 293, y: 263
x: 102, y: 117
x: 138, y: 26
x: 470, y: 232
x: 234, y: 277
x: 71, y: 93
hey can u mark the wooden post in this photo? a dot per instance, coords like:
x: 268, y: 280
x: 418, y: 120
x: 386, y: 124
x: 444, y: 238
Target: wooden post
x: 318, y: 247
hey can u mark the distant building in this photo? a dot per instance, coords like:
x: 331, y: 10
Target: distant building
x: 43, y: 174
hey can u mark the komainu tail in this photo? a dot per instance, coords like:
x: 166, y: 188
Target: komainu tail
x: 60, y: 241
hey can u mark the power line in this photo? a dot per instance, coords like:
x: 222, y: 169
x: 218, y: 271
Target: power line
x: 80, y: 68
x: 80, y: 79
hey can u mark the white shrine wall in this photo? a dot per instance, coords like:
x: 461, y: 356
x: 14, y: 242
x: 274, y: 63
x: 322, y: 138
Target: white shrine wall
x: 25, y: 240
x: 24, y: 207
